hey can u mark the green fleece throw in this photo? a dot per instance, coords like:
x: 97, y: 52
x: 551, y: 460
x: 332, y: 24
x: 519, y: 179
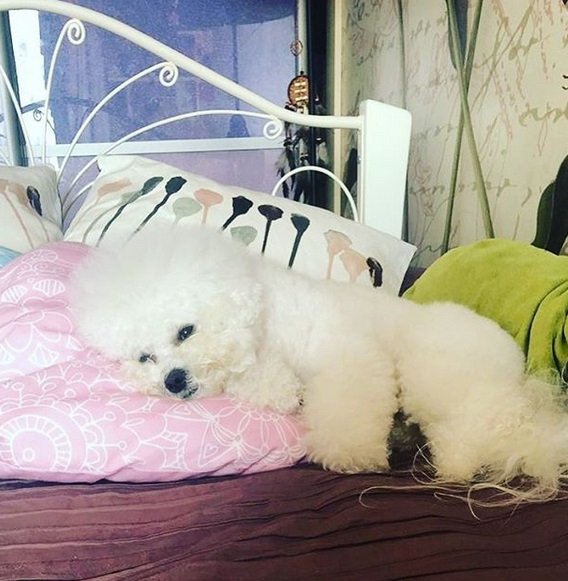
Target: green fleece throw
x: 521, y: 287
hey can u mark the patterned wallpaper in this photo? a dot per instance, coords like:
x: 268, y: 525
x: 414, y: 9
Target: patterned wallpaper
x: 397, y: 51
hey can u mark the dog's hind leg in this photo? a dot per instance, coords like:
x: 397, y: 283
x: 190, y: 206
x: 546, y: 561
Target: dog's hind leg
x: 348, y: 409
x: 517, y: 429
x: 462, y: 380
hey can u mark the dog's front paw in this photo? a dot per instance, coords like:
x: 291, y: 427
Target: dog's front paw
x: 272, y: 384
x: 351, y: 466
x: 284, y: 403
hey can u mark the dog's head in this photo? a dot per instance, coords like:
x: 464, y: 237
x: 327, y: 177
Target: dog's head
x: 179, y: 310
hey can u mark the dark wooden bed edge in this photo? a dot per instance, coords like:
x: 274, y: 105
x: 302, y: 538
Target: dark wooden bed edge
x: 295, y: 523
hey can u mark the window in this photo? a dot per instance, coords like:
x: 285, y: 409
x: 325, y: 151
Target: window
x: 247, y: 41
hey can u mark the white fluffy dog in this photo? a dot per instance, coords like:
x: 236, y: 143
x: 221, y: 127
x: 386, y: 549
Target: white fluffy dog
x: 190, y: 313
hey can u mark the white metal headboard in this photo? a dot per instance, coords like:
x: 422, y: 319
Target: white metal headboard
x: 383, y: 130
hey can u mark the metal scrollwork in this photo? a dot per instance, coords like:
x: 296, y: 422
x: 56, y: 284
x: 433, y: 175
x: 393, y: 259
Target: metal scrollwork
x: 169, y: 74
x: 273, y: 129
x: 37, y: 114
x: 75, y: 31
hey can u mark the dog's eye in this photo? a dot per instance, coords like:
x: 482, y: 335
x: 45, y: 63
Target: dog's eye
x: 185, y: 332
x: 145, y: 357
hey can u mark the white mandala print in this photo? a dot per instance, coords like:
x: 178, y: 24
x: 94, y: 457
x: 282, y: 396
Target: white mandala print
x: 33, y: 440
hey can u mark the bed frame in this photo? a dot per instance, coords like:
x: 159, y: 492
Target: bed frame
x: 383, y: 131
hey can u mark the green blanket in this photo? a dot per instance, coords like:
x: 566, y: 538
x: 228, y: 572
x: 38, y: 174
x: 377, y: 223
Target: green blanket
x: 523, y: 288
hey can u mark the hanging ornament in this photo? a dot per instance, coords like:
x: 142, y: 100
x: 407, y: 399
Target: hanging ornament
x: 299, y: 91
x: 296, y: 47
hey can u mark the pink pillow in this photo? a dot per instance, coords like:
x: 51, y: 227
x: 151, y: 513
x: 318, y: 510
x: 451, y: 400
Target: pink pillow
x: 66, y: 416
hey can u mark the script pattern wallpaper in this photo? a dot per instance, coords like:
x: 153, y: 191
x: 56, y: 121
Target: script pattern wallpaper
x: 397, y: 51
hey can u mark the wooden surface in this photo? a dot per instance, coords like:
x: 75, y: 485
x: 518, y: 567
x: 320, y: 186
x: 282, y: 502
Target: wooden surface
x: 300, y: 523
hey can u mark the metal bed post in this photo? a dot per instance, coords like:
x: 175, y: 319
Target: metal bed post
x: 384, y: 144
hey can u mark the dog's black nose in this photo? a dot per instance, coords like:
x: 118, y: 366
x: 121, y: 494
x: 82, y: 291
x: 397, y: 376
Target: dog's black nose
x: 176, y: 380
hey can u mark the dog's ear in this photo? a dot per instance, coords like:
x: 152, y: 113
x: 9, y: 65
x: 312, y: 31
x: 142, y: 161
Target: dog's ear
x: 247, y: 299
x: 234, y: 306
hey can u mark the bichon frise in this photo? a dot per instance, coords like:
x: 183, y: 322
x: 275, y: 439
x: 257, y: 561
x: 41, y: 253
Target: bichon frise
x: 191, y: 314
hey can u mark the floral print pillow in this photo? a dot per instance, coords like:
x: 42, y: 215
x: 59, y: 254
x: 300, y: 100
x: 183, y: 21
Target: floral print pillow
x: 67, y: 416
x: 30, y: 210
x: 132, y: 193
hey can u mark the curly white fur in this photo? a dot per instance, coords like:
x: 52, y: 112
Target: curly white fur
x: 345, y: 356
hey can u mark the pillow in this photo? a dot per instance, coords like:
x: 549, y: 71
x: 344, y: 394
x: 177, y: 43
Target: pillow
x: 30, y: 210
x: 6, y: 255
x: 66, y: 415
x: 133, y: 193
